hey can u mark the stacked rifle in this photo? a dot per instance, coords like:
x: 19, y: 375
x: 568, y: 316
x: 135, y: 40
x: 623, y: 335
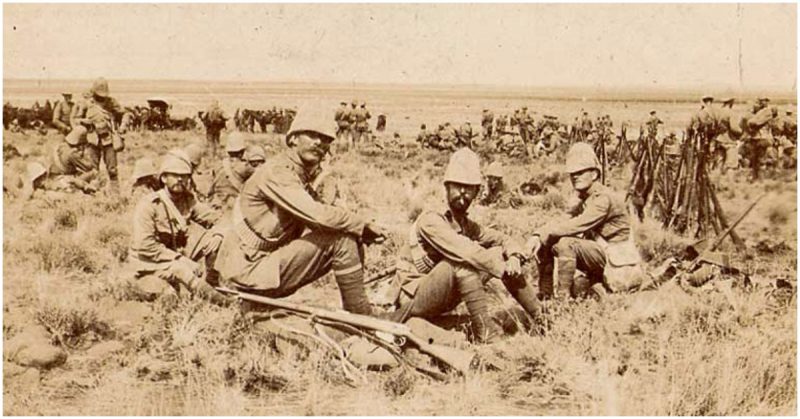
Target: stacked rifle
x: 677, y: 189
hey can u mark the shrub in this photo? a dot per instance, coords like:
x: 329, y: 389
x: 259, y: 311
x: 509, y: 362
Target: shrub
x: 72, y: 326
x: 61, y: 254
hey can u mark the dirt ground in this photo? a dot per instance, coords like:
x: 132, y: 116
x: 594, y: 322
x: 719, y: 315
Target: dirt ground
x: 724, y: 349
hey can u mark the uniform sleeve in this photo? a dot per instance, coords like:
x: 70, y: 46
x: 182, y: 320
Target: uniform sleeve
x: 759, y: 119
x: 282, y: 188
x: 145, y: 242
x: 78, y: 114
x: 204, y: 214
x: 595, y: 211
x: 460, y: 249
x: 489, y: 237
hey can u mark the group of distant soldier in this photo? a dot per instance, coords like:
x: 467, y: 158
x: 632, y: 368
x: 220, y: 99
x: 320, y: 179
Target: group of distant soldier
x: 352, y: 124
x: 246, y: 120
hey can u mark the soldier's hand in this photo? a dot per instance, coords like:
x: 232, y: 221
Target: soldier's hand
x: 534, y: 244
x: 513, y: 267
x: 374, y: 233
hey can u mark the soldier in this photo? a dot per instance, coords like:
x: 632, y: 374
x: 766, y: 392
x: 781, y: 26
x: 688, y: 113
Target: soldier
x: 606, y: 253
x: 145, y: 178
x: 231, y: 174
x: 267, y: 249
x: 502, y: 123
x: 487, y: 119
x: 362, y: 117
x: 757, y: 135
x: 652, y: 126
x: 496, y: 194
x: 585, y: 126
x: 62, y: 113
x: 97, y: 112
x: 464, y: 135
x: 342, y: 118
x: 449, y: 257
x: 214, y: 120
x: 423, y: 136
x: 170, y: 236
x: 69, y: 170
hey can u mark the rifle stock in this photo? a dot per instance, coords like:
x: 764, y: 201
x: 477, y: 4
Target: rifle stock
x: 457, y: 359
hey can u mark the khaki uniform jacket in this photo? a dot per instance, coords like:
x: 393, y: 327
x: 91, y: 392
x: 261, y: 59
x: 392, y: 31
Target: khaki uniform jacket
x: 101, y: 117
x: 228, y: 181
x: 69, y: 160
x: 277, y: 204
x: 342, y: 118
x: 61, y: 115
x: 362, y: 115
x: 436, y: 236
x: 601, y: 214
x: 161, y: 226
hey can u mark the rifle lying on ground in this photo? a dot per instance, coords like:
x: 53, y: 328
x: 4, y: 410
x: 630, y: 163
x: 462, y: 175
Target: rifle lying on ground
x: 457, y: 359
x: 693, y: 258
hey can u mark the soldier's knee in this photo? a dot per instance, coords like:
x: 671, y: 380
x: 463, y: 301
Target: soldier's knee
x: 565, y: 247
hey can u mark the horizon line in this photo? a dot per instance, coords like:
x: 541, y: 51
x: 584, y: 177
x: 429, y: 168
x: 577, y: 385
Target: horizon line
x: 677, y: 88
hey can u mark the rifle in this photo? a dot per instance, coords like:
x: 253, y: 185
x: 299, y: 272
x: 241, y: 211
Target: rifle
x: 698, y: 257
x: 457, y: 359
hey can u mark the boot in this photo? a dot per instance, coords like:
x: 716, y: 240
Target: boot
x: 546, y: 281
x: 523, y: 293
x: 581, y: 286
x: 354, y: 296
x: 566, y: 275
x: 484, y: 330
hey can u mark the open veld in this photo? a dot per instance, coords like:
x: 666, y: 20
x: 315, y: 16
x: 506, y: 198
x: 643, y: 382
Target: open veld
x: 727, y: 348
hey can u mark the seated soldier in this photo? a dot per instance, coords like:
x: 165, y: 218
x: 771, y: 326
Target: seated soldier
x: 597, y: 240
x: 496, y: 193
x: 449, y: 257
x: 170, y: 236
x: 69, y: 171
x: 145, y: 178
x: 268, y: 251
x: 230, y: 176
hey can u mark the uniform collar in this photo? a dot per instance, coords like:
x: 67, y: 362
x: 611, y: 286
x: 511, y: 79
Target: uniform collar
x: 305, y: 173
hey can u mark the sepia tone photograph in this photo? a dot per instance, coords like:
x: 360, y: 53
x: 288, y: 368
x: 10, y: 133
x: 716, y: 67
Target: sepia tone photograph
x: 400, y: 209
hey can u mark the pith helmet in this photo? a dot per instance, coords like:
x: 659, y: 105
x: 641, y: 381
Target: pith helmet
x: 100, y: 87
x: 581, y: 157
x: 313, y: 122
x: 144, y: 167
x: 66, y: 94
x: 707, y: 97
x: 195, y: 152
x: 174, y: 164
x: 464, y: 167
x: 181, y: 154
x: 255, y: 153
x: 77, y: 135
x: 235, y: 142
x: 763, y: 99
x: 728, y: 100
x: 495, y: 169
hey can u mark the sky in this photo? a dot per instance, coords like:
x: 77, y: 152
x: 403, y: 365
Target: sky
x: 571, y: 45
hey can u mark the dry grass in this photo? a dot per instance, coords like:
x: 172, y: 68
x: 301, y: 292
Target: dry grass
x: 664, y: 352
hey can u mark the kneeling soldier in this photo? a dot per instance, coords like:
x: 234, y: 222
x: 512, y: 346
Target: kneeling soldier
x: 268, y: 250
x: 597, y: 240
x: 449, y: 257
x: 169, y: 233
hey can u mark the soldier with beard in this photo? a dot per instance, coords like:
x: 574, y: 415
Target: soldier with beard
x: 449, y: 257
x: 170, y: 236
